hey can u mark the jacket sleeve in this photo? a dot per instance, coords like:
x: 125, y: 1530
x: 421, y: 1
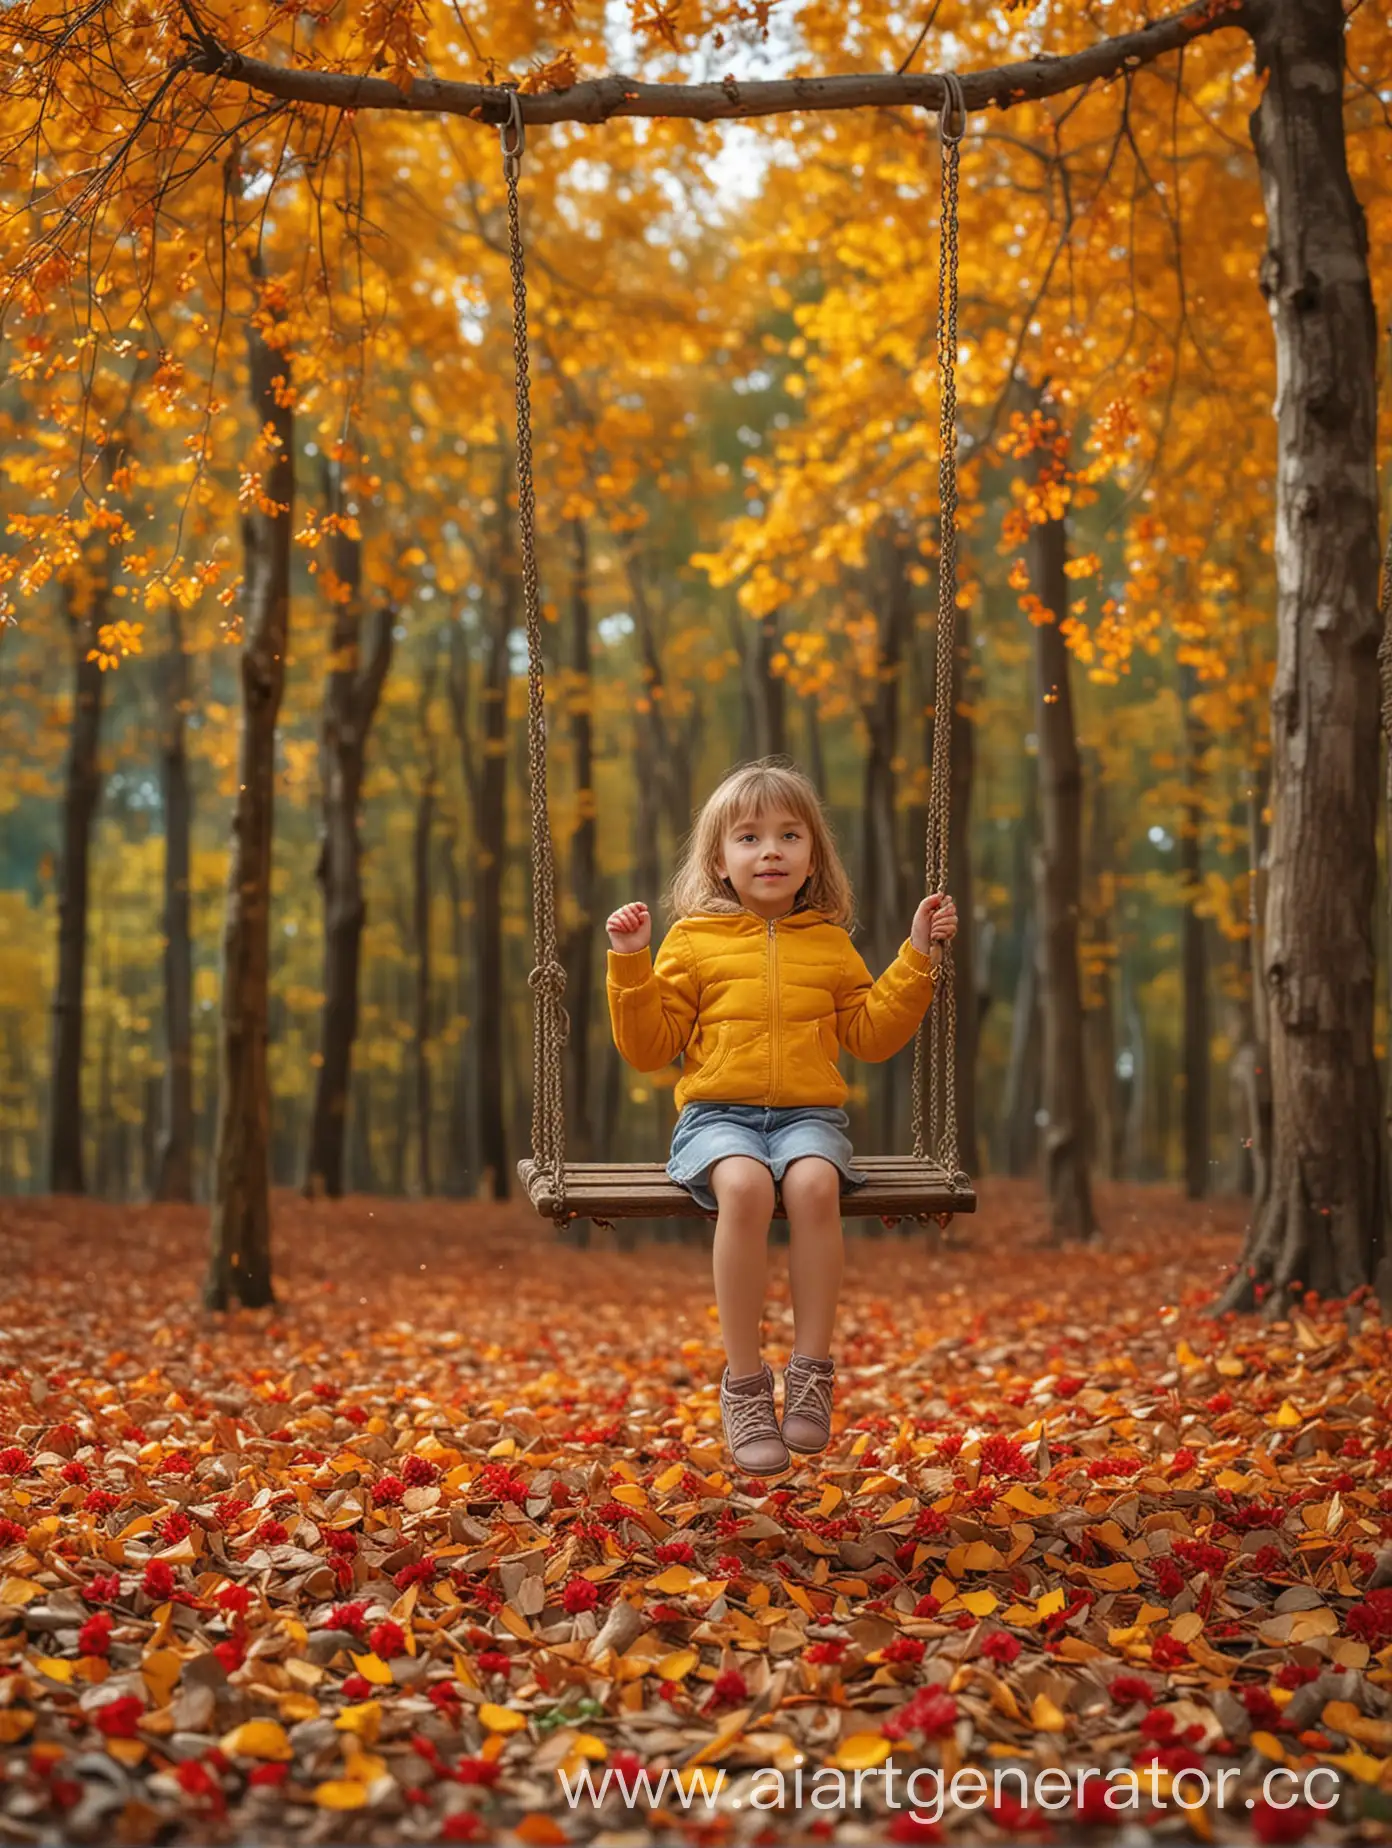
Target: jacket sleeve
x: 875, y: 1019
x: 652, y: 1005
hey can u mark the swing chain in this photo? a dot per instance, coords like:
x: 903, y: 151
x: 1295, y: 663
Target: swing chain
x: 547, y: 979
x: 936, y: 1041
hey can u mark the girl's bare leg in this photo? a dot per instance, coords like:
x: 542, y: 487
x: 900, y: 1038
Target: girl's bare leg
x: 743, y: 1189
x: 816, y: 1251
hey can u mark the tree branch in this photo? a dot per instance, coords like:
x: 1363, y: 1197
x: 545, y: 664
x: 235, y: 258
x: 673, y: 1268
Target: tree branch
x: 600, y: 98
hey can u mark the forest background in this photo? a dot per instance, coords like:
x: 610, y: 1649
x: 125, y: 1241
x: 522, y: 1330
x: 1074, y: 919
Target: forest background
x: 259, y: 367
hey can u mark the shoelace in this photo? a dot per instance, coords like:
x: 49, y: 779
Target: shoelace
x: 807, y: 1390
x: 750, y: 1415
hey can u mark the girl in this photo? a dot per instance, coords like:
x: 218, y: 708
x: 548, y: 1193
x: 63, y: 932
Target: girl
x: 756, y: 986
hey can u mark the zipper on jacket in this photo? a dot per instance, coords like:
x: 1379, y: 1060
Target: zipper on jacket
x: 773, y: 1008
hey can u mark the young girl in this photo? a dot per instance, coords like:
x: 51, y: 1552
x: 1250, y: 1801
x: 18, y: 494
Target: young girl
x: 757, y: 985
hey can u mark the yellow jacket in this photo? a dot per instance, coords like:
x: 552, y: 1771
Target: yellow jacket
x: 759, y: 1007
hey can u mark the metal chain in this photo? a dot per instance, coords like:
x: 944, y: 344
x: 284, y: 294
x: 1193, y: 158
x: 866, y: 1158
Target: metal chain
x: 547, y: 979
x: 935, y: 1046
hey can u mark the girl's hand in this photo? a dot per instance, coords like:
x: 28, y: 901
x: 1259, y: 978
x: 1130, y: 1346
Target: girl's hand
x: 935, y: 923
x: 630, y: 927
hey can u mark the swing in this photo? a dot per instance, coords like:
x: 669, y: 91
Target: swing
x: 915, y: 1186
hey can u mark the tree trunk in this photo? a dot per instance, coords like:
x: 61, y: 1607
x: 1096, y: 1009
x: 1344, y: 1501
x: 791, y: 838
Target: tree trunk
x: 1322, y: 1226
x: 240, y: 1266
x: 1058, y: 887
x: 420, y: 921
x: 490, y: 827
x: 1019, y: 1127
x: 579, y: 952
x: 1194, y: 954
x: 961, y: 885
x: 174, y: 1162
x: 82, y: 787
x: 352, y: 689
x: 1099, y: 1016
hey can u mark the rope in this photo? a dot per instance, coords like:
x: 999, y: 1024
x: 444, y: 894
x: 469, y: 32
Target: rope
x: 939, y: 1057
x: 547, y: 979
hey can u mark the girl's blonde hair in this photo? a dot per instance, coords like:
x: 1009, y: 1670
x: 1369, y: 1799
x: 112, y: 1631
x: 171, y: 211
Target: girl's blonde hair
x: 752, y: 790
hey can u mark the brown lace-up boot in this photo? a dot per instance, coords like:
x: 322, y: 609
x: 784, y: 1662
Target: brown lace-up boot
x: 751, y: 1423
x: 807, y: 1396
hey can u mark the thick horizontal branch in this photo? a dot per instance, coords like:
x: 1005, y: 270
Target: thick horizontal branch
x: 597, y: 99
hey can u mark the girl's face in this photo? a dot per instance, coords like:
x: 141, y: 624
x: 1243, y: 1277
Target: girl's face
x: 766, y: 858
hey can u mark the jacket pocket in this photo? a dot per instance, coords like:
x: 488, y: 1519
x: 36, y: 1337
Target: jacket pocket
x: 809, y: 1057
x: 720, y: 1054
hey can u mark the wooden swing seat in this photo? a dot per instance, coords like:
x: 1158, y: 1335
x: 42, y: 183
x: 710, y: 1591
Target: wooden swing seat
x: 899, y: 1187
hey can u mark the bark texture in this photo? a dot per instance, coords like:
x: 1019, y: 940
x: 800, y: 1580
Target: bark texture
x: 240, y: 1264
x: 579, y: 951
x: 1058, y: 896
x: 174, y: 1161
x: 358, y: 665
x: 82, y: 785
x: 1322, y: 1224
x: 1194, y: 955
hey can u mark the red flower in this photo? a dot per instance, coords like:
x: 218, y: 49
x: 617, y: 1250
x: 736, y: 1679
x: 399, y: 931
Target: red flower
x: 1200, y: 1556
x: 929, y: 1524
x: 175, y: 1527
x: 627, y: 1767
x: 1126, y: 1690
x: 272, y: 1533
x: 1272, y: 1825
x: 1295, y: 1675
x: 476, y: 1771
x: 14, y: 1461
x: 231, y: 1508
x: 1002, y: 1456
x: 829, y: 1651
x: 419, y: 1472
x: 1091, y: 1809
x: 12, y: 1532
x: 728, y: 1689
x: 387, y: 1640
x: 357, y: 1687
x: 268, y: 1777
x: 159, y: 1582
x: 339, y: 1540
x: 118, y: 1718
x: 94, y: 1638
x: 904, y: 1649
x: 949, y: 1447
x: 75, y: 1472
x: 675, y: 1553
x: 581, y: 1594
x: 1182, y: 1462
x: 1158, y: 1725
x: 1169, y: 1652
x: 927, y: 1606
x: 387, y: 1491
x: 421, y: 1573
x: 464, y: 1825
x: 177, y: 1463
x: 351, y: 1617
x: 100, y: 1501
x: 729, y: 1565
x: 907, y: 1827
x: 1260, y: 1705
x: 494, y: 1661
x: 1001, y: 1647
x: 930, y: 1712
x: 236, y: 1598
x: 1220, y: 1402
x: 103, y: 1588
x: 1067, y: 1384
x: 1011, y: 1814
x: 198, y: 1782
x: 231, y: 1653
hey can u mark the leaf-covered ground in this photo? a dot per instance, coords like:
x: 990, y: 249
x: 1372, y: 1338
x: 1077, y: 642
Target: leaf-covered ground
x: 404, y: 1559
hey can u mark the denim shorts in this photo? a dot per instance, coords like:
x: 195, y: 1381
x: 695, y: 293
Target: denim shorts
x: 706, y: 1132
